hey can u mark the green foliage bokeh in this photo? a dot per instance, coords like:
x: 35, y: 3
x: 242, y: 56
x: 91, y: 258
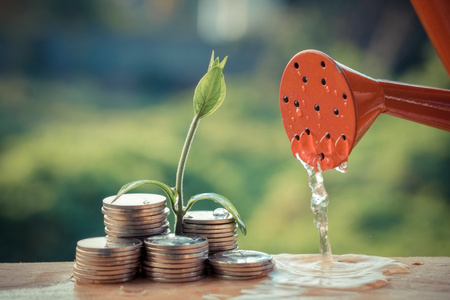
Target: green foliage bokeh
x: 62, y: 153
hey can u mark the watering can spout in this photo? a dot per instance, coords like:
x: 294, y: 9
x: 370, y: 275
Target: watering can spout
x: 327, y: 107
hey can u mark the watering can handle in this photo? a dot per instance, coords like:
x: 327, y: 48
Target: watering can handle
x: 425, y: 105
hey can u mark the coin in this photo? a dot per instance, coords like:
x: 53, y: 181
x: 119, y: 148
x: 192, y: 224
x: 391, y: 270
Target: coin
x: 240, y: 257
x: 124, y: 277
x: 175, y: 241
x: 133, y: 220
x: 226, y: 226
x: 223, y: 244
x: 94, y: 272
x: 223, y: 239
x: 178, y: 257
x: 176, y: 266
x: 108, y: 244
x: 178, y: 280
x: 131, y: 201
x: 121, y: 266
x: 155, y: 225
x: 133, y: 213
x: 81, y: 252
x: 175, y: 275
x: 244, y: 268
x: 208, y: 217
x: 83, y: 280
x: 131, y: 233
x: 236, y: 277
x: 174, y: 271
x: 175, y: 250
x: 209, y: 231
x: 106, y: 262
x: 244, y: 273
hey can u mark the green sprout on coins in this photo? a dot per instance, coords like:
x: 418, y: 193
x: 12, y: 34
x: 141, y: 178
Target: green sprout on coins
x: 208, y: 96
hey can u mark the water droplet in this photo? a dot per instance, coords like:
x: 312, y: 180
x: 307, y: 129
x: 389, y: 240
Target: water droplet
x: 303, y: 103
x: 345, y: 104
x: 318, y: 125
x: 299, y: 112
x: 303, y: 88
x: 342, y: 167
x: 319, y: 115
x: 220, y: 212
x: 335, y: 93
x: 327, y: 89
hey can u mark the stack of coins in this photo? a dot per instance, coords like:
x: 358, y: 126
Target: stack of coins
x: 217, y: 226
x: 175, y: 258
x: 135, y: 216
x: 241, y: 264
x: 106, y: 259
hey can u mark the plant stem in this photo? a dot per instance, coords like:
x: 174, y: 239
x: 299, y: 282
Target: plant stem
x: 179, y: 205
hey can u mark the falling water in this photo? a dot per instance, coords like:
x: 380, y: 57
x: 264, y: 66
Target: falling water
x: 319, y: 207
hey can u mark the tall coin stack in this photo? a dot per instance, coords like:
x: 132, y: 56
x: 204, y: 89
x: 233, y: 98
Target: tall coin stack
x: 106, y: 260
x: 175, y: 258
x: 218, y: 226
x: 135, y: 215
x: 241, y: 264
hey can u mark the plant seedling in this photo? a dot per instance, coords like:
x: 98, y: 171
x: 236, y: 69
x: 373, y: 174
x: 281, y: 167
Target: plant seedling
x: 208, y: 96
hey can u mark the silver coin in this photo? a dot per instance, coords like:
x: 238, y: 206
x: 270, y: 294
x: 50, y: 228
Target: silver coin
x: 223, y: 239
x: 244, y: 268
x: 133, y: 201
x: 197, y: 260
x: 240, y: 257
x: 124, y: 277
x: 95, y: 272
x: 173, y: 275
x: 230, y: 231
x: 132, y: 214
x: 223, y: 244
x: 237, y: 277
x: 222, y: 249
x: 143, y: 237
x: 174, y: 271
x: 176, y: 266
x: 87, y: 275
x: 173, y: 250
x: 135, y: 252
x: 106, y: 262
x: 177, y: 280
x: 175, y: 257
x: 108, y: 244
x: 133, y: 220
x: 125, y: 232
x: 176, y: 241
x: 82, y: 265
x: 212, y: 235
x: 226, y: 226
x: 160, y: 223
x: 207, y: 217
x: 83, y: 280
x: 243, y: 273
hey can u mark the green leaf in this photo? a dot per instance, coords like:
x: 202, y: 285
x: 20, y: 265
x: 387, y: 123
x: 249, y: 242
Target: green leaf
x: 170, y: 192
x: 210, y: 91
x: 222, y: 201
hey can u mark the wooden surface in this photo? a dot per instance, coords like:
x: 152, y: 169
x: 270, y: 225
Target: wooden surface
x: 429, y: 278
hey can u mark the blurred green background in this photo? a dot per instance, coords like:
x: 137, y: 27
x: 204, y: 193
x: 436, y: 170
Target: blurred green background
x: 94, y: 94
